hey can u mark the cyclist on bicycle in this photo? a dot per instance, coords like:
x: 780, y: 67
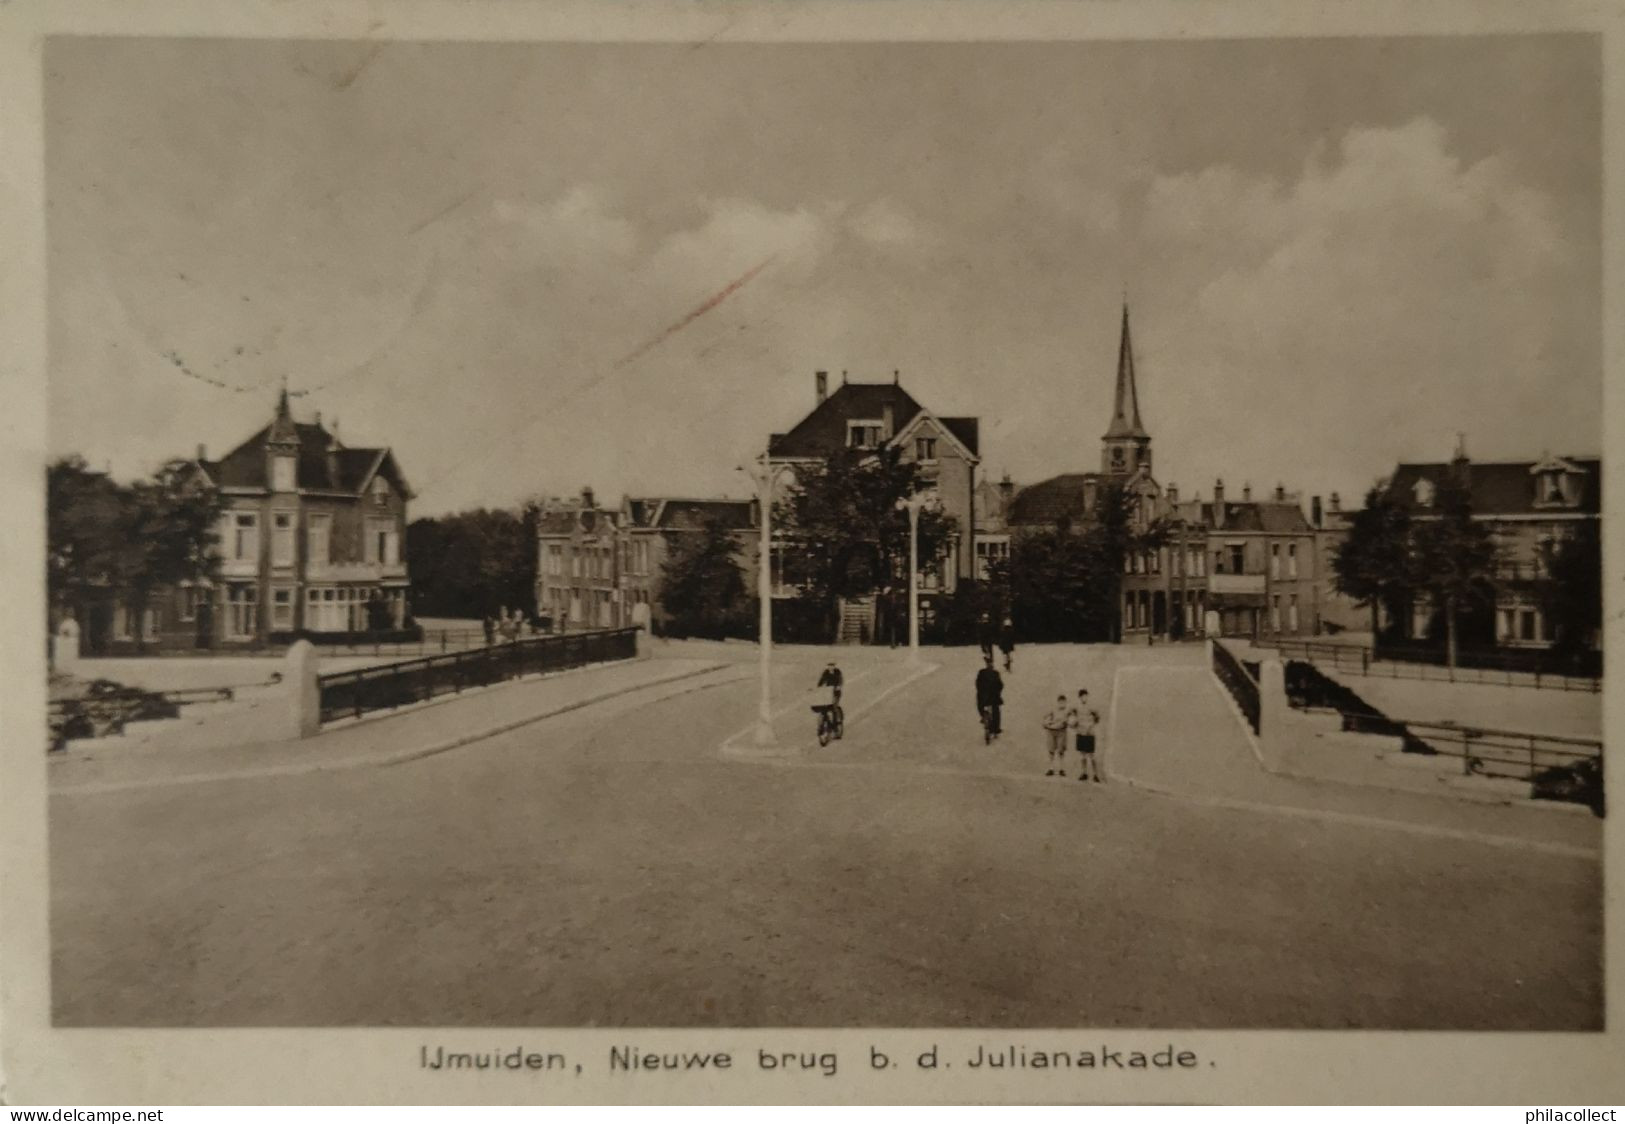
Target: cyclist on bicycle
x: 989, y: 696
x: 833, y: 680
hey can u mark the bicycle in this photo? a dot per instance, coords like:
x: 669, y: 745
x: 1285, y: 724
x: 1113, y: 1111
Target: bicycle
x: 988, y: 713
x: 831, y: 722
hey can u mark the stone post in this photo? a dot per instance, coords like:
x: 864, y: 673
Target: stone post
x: 1272, y: 708
x: 302, y: 710
x: 65, y: 650
x: 1210, y: 622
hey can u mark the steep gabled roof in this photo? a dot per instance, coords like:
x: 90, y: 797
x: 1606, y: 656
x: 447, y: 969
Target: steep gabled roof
x: 823, y: 431
x: 1500, y: 487
x: 1050, y: 501
x: 675, y: 514
x: 1244, y: 516
x: 345, y: 470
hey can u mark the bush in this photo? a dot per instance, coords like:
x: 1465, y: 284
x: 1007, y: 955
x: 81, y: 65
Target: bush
x: 1579, y: 783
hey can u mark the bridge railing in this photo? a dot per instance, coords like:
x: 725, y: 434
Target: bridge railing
x: 1242, y: 684
x: 350, y: 694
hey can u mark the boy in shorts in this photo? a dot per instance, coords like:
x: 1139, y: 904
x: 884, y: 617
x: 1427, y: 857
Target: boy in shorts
x: 1088, y: 719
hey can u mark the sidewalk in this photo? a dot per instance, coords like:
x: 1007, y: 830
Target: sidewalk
x: 1171, y: 730
x: 383, y: 739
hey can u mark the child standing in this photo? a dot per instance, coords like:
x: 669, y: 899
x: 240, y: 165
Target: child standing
x: 1088, y: 719
x: 1055, y: 727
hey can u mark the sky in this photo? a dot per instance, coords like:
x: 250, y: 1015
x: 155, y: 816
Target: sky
x: 529, y: 268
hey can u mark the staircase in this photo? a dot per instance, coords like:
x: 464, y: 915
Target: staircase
x: 857, y: 624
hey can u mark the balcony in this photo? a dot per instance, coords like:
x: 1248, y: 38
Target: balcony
x: 1235, y: 583
x: 353, y: 571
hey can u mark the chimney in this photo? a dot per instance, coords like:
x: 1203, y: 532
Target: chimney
x: 887, y: 419
x: 202, y: 452
x: 1173, y: 495
x: 896, y: 376
x: 318, y: 417
x: 1280, y: 493
x: 822, y: 380
x: 1007, y: 491
x: 1337, y: 502
x: 1218, y: 502
x: 843, y: 376
x: 1247, y: 492
x: 1315, y: 517
x: 336, y: 431
x: 586, y: 498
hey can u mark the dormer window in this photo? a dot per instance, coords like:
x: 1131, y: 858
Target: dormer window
x: 1424, y: 492
x: 863, y: 434
x: 925, y: 449
x: 282, y: 474
x: 1551, y: 489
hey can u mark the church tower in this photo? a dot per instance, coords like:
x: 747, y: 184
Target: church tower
x: 1126, y: 448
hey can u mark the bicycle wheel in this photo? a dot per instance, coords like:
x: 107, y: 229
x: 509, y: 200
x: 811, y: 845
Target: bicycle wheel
x: 825, y: 729
x: 840, y: 723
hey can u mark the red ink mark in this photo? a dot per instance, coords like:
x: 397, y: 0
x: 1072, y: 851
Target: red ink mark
x: 721, y: 296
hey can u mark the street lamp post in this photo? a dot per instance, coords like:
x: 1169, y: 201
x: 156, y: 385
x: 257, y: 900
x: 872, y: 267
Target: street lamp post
x: 913, y: 505
x: 764, y: 477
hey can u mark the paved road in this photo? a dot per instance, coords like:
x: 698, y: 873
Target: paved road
x: 610, y: 867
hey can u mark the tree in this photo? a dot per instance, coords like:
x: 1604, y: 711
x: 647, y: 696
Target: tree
x: 702, y: 588
x: 1066, y: 581
x: 473, y: 563
x: 1572, y: 594
x: 1454, y: 559
x: 168, y: 527
x: 1373, y: 563
x: 851, y: 538
x: 84, y: 519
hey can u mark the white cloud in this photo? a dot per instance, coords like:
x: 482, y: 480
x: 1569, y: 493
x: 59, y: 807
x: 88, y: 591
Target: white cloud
x: 885, y: 224
x: 1388, y: 262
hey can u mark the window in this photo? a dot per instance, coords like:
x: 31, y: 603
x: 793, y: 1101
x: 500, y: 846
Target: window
x: 189, y: 600
x: 1238, y: 558
x: 282, y: 608
x: 925, y: 448
x: 1424, y: 492
x: 1275, y: 613
x: 380, y: 491
x: 1292, y: 613
x: 1275, y: 559
x: 863, y: 434
x: 1527, y: 627
x: 383, y: 544
x: 282, y: 539
x: 319, y: 549
x: 1551, y: 487
x: 1292, y: 560
x: 245, y: 537
x: 282, y: 474
x: 241, y: 605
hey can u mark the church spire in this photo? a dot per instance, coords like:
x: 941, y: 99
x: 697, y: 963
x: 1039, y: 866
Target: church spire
x: 1126, y: 407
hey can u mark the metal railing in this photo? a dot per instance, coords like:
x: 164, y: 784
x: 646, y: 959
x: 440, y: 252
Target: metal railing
x: 1483, y: 751
x: 350, y: 694
x: 1364, y: 661
x: 1242, y: 685
x: 433, y: 642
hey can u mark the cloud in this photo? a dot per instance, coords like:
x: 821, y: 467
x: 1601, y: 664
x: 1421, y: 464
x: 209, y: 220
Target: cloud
x: 1387, y: 262
x: 885, y: 224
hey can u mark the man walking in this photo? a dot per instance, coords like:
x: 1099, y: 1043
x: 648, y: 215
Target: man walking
x: 989, y: 697
x: 1007, y: 642
x: 1055, y: 727
x: 1086, y: 721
